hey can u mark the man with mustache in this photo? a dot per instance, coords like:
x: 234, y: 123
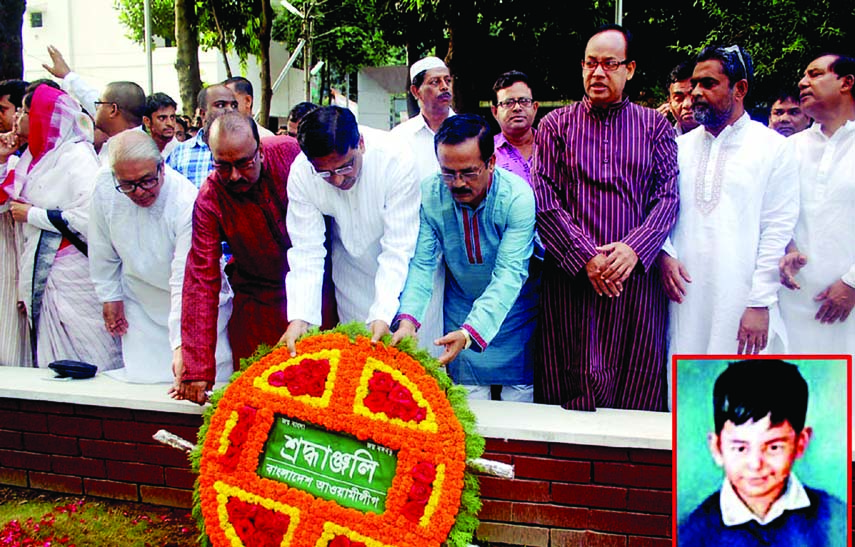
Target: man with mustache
x: 491, y: 308
x: 738, y: 206
x: 243, y: 203
x: 365, y: 181
x: 786, y: 115
x: 680, y: 97
x: 432, y: 87
x: 604, y: 176
x: 514, y: 108
x: 819, y: 265
x: 159, y: 122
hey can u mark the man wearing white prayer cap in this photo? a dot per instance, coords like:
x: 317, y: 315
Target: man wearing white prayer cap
x: 431, y: 86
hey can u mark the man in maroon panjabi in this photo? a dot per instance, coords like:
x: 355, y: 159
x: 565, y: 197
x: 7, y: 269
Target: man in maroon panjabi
x: 243, y: 203
x: 604, y: 176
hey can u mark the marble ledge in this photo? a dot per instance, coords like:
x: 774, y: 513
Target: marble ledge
x: 496, y: 420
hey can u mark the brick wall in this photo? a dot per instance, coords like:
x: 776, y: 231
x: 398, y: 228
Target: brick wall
x: 563, y: 495
x: 566, y: 495
x: 103, y: 452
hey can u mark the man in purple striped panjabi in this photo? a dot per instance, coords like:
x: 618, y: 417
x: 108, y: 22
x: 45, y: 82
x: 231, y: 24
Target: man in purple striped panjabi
x: 604, y: 177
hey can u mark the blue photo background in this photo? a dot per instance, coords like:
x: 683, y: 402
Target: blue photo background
x: 823, y: 466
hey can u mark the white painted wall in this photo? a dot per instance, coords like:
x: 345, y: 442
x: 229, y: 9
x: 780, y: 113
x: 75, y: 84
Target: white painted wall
x: 92, y: 40
x: 376, y: 87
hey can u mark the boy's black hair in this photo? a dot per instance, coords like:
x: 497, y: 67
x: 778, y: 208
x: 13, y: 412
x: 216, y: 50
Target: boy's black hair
x: 752, y: 390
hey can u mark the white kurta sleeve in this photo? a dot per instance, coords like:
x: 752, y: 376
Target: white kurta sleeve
x: 78, y: 88
x: 398, y: 243
x: 183, y: 222
x: 778, y: 216
x: 105, y: 266
x: 306, y: 230
x: 849, y: 277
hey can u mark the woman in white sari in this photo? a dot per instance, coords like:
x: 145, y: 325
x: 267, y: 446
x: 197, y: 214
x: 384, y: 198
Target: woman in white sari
x: 53, y: 183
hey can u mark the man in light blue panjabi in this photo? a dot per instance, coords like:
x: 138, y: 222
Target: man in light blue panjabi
x: 480, y: 219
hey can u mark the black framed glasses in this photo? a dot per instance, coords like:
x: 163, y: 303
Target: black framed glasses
x: 524, y: 102
x: 342, y: 171
x: 105, y: 102
x: 609, y: 65
x: 146, y: 183
x: 224, y: 168
x: 468, y: 175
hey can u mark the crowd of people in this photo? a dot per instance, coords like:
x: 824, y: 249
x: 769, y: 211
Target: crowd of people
x: 563, y: 263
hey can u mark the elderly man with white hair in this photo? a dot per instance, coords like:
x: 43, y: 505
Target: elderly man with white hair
x: 139, y: 236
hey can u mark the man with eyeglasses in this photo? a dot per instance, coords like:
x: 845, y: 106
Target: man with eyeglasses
x: 432, y: 88
x: 243, y: 203
x: 739, y: 205
x: 365, y: 181
x: 140, y: 223
x: 604, y: 176
x: 480, y: 219
x: 514, y: 108
x: 192, y: 158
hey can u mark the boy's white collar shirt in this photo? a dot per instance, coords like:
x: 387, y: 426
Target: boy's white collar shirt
x: 734, y: 512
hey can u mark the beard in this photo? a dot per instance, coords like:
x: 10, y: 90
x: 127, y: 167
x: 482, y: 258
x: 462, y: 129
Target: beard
x: 710, y: 116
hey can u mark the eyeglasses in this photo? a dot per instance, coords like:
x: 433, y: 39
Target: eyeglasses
x: 224, y: 168
x: 469, y: 175
x: 146, y: 183
x: 524, y: 102
x: 21, y: 112
x: 105, y: 102
x: 609, y: 65
x: 341, y: 171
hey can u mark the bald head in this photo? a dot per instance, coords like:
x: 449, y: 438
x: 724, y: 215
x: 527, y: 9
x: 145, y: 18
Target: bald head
x: 236, y: 150
x: 235, y: 125
x: 129, y: 98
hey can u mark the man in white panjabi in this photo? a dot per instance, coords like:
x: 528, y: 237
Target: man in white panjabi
x: 819, y: 265
x: 365, y: 181
x: 738, y: 207
x: 431, y: 85
x: 140, y: 225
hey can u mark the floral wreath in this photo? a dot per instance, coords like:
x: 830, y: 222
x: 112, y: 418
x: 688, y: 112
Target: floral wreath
x: 348, y: 444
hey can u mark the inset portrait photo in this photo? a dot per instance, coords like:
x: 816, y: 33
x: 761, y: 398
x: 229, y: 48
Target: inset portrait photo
x: 763, y: 451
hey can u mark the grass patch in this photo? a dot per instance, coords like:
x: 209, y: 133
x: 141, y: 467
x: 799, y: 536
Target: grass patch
x: 46, y: 519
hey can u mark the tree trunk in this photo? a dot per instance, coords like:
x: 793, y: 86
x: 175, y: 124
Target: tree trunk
x: 11, y: 44
x: 187, y: 59
x: 267, y: 16
x: 221, y: 40
x: 462, y: 58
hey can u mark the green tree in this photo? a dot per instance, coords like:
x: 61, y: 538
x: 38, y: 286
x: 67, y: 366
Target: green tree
x: 132, y: 16
x: 346, y: 35
x: 782, y: 36
x: 229, y: 25
x: 187, y: 56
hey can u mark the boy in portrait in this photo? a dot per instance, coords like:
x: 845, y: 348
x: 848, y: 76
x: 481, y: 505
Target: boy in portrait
x: 759, y: 410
